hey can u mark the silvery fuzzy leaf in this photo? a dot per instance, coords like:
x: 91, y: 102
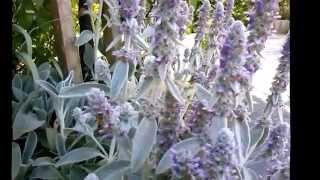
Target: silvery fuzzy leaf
x: 280, y: 113
x: 83, y: 128
x: 162, y: 70
x: 102, y: 71
x: 275, y: 99
x: 15, y: 159
x: 148, y: 32
x: 146, y: 85
x: 17, y: 81
x: 45, y: 172
x: 65, y: 83
x: 25, y: 122
x: 44, y: 71
x: 29, y: 147
x: 43, y: 161
x: 279, y: 176
x: 174, y: 90
x: 60, y: 145
x: 192, y: 144
x: 41, y: 113
x: 249, y: 174
x: 250, y: 102
x: 216, y: 125
x: 242, y: 136
x: 141, y: 42
x: 259, y: 167
x: 142, y: 143
x: 124, y: 147
x: 207, y: 98
x: 27, y: 37
x: 58, y: 68
x: 113, y: 43
x: 51, y: 134
x: 78, y: 155
x: 48, y: 87
x: 85, y: 36
x: 268, y: 110
x: 19, y: 94
x: 119, y: 78
x: 81, y: 90
x: 88, y: 56
x: 27, y: 59
x: 256, y: 134
x: 235, y: 86
x: 113, y: 170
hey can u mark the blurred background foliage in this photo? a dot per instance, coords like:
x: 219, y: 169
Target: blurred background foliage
x: 284, y: 9
x: 35, y: 16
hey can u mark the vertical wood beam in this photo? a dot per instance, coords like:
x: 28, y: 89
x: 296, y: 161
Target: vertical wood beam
x: 68, y: 53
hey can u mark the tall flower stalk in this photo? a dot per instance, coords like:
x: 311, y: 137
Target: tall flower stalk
x: 170, y: 22
x: 232, y: 73
x: 216, y: 34
x: 202, y: 27
x: 280, y: 83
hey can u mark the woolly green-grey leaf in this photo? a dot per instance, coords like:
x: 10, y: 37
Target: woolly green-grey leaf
x: 47, y: 87
x: 207, y: 98
x: 43, y: 161
x: 25, y: 122
x: 217, y: 124
x: 51, y: 134
x: 45, y: 172
x: 85, y: 36
x: 27, y: 59
x: 15, y: 159
x: 60, y: 145
x: 249, y: 174
x: 174, y: 90
x: 78, y: 155
x: 192, y: 144
x: 29, y: 147
x: 26, y: 36
x: 81, y: 90
x: 279, y: 176
x: 143, y: 141
x: 113, y: 170
x: 119, y: 78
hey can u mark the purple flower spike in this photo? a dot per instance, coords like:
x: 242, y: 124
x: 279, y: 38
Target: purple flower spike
x: 129, y: 8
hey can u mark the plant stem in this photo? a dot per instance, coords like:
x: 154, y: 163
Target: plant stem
x: 100, y: 146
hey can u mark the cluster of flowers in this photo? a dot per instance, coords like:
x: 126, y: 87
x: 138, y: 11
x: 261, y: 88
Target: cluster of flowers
x: 171, y: 18
x: 212, y: 161
x: 100, y: 109
x: 259, y: 28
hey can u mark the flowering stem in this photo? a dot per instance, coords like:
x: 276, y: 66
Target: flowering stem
x: 100, y: 146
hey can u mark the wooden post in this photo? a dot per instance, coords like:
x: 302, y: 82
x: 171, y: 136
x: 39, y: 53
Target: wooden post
x: 68, y: 53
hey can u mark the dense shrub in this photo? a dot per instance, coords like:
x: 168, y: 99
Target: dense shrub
x: 155, y: 113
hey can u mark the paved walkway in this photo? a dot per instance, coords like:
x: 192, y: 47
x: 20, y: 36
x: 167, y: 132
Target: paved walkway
x: 264, y: 76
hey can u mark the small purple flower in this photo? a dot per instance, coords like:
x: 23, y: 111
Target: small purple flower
x: 126, y: 55
x: 202, y: 23
x: 259, y: 27
x: 129, y: 8
x: 97, y: 102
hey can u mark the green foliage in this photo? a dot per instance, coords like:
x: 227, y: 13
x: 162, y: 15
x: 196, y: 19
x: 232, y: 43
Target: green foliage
x: 284, y: 9
x: 240, y: 10
x: 34, y: 16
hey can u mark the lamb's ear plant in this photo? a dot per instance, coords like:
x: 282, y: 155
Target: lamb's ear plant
x: 154, y: 113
